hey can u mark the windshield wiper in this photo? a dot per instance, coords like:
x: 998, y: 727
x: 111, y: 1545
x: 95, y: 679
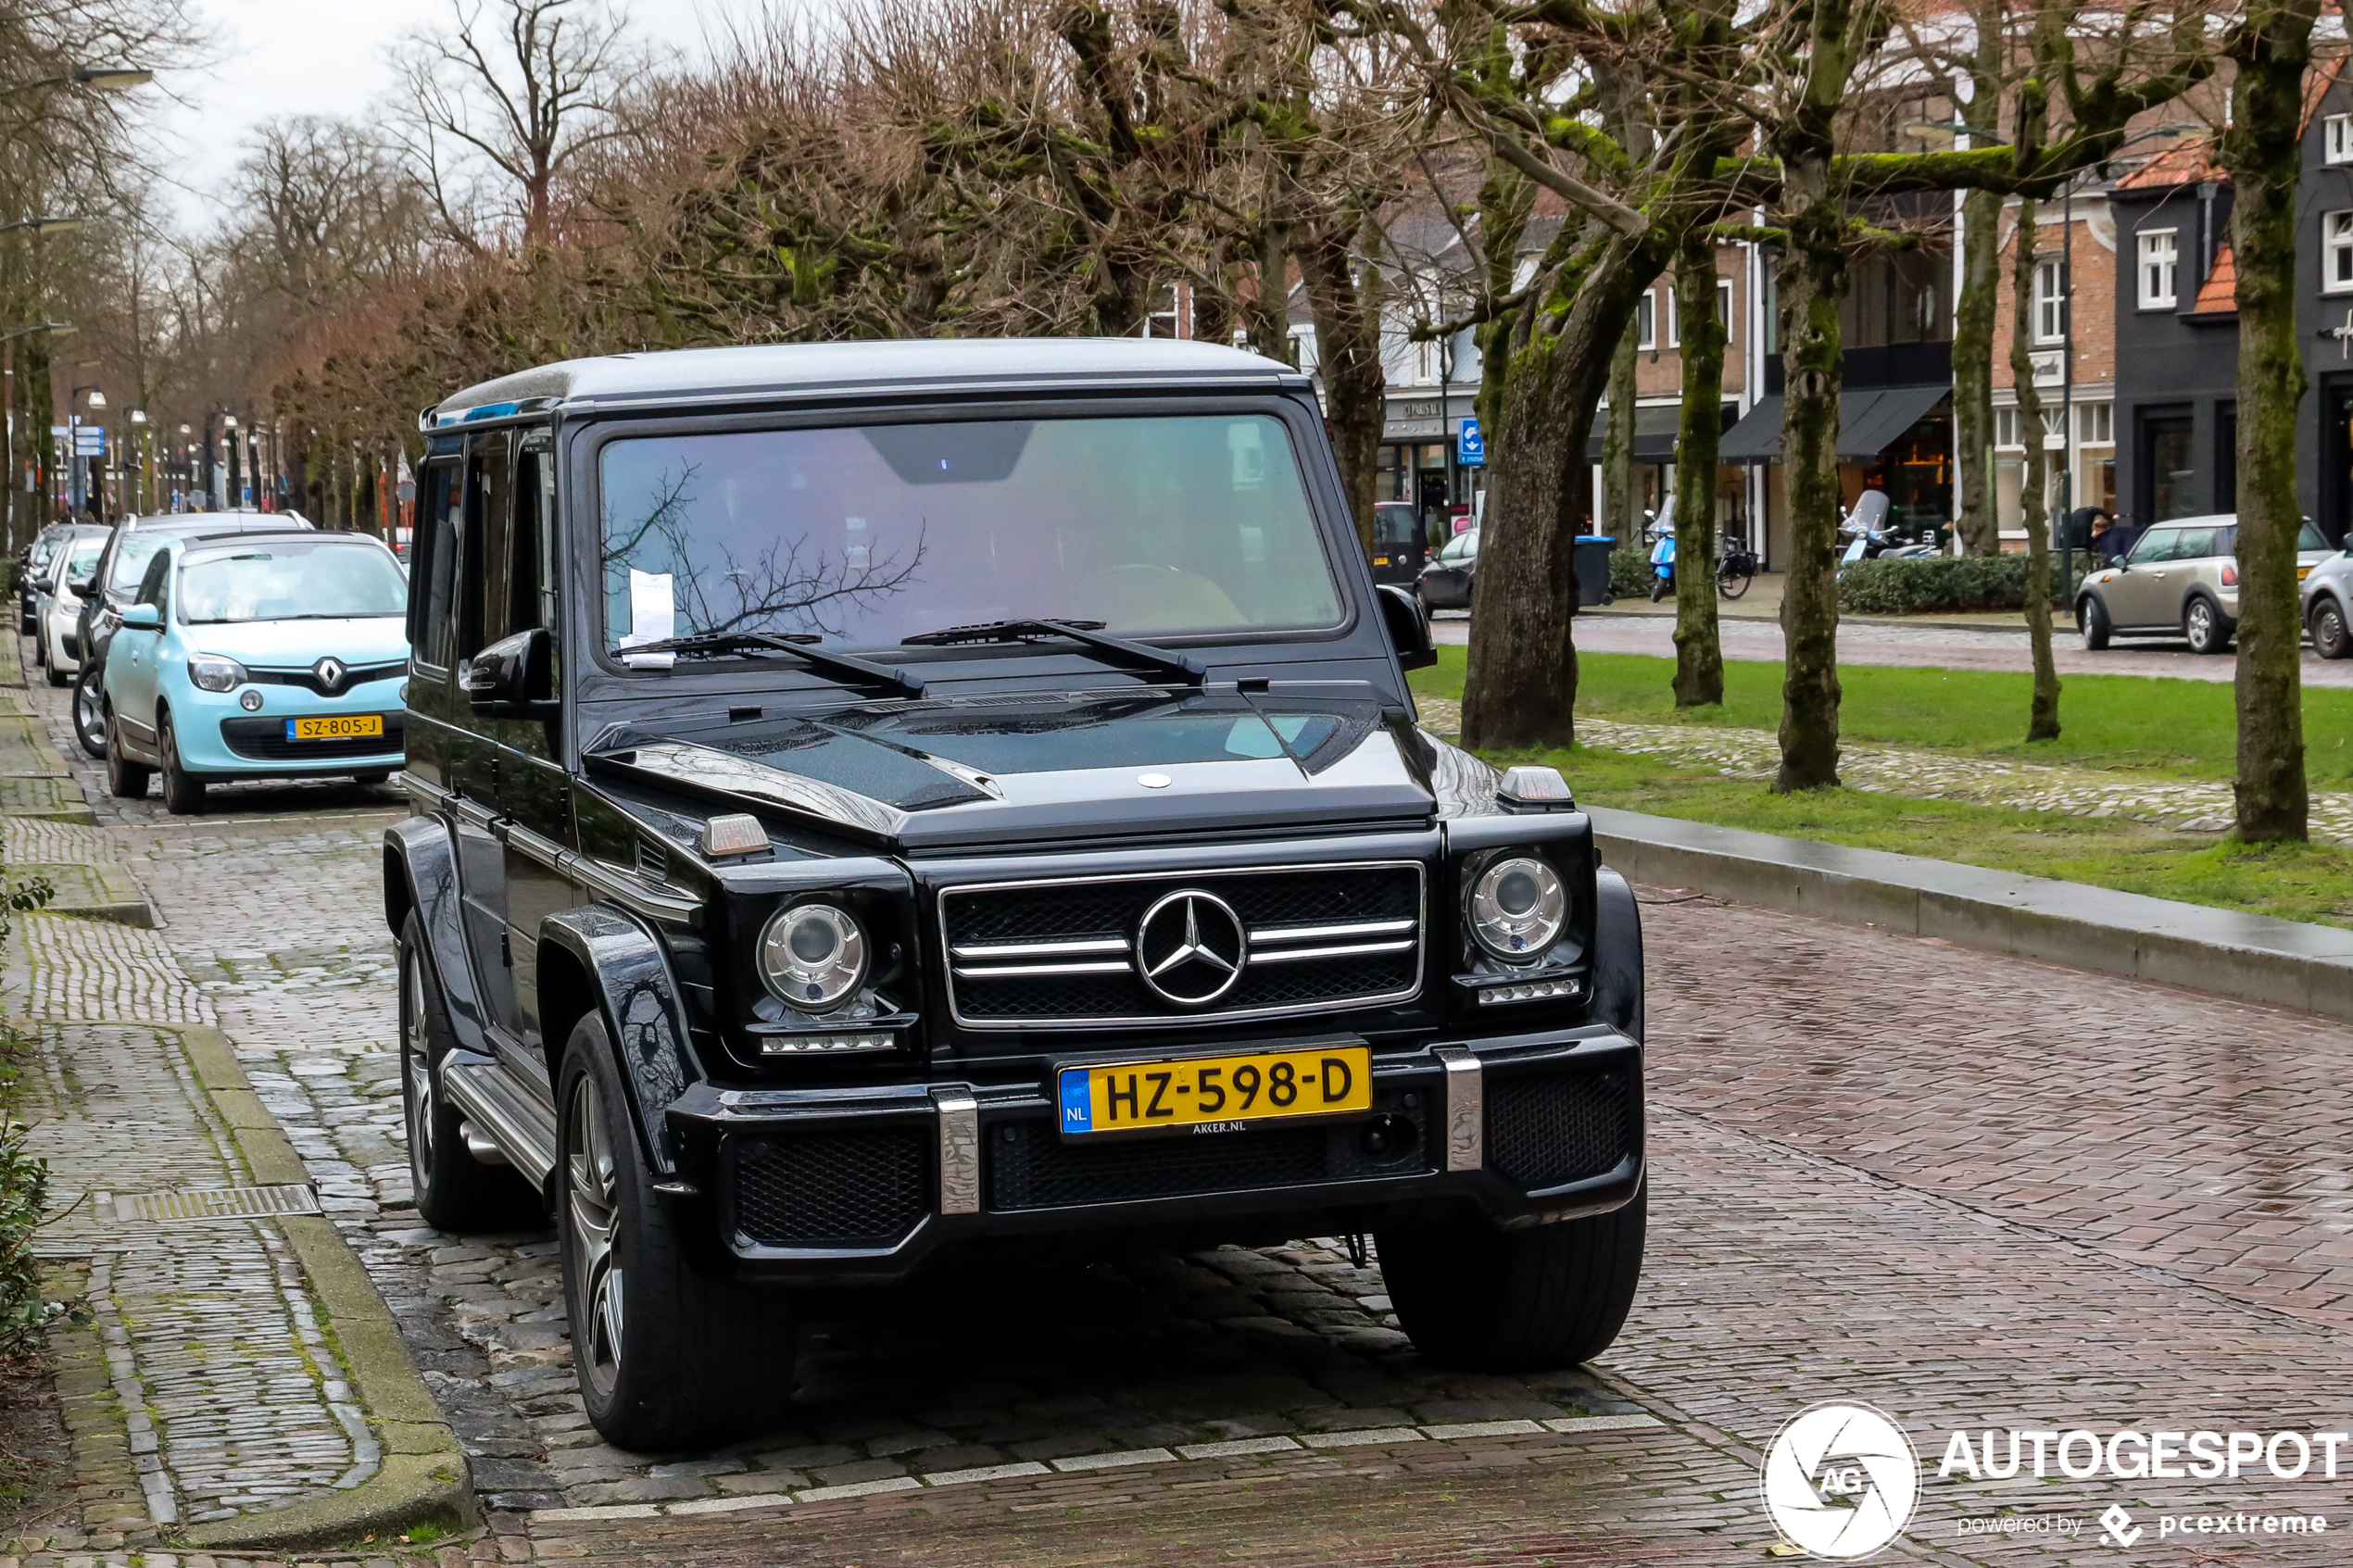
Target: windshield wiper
x: 712, y: 645
x: 1086, y: 634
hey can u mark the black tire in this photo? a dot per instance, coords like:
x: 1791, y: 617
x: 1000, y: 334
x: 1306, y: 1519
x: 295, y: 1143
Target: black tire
x: 126, y: 780
x: 49, y: 667
x: 1551, y: 1296
x: 2091, y: 623
x: 454, y: 1191
x: 376, y: 776
x: 182, y: 791
x: 2203, y: 626
x: 1732, y: 585
x: 2331, y: 637
x: 1658, y: 589
x: 89, y: 707
x: 668, y: 1357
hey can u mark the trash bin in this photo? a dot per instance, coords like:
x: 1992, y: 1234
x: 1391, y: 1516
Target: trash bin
x: 1593, y: 569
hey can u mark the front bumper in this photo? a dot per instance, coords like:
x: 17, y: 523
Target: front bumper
x: 868, y: 1186
x: 219, y: 738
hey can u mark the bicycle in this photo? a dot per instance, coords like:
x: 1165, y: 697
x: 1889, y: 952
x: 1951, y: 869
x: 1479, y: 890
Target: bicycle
x: 1733, y: 571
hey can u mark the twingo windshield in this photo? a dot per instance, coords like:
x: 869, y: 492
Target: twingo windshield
x: 291, y: 580
x: 867, y: 535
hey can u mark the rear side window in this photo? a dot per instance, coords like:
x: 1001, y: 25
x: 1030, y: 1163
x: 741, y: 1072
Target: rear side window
x: 154, y: 588
x: 1392, y: 525
x: 2197, y: 544
x: 440, y: 497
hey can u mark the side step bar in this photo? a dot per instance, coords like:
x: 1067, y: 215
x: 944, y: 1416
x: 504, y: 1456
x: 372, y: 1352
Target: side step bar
x: 517, y: 1122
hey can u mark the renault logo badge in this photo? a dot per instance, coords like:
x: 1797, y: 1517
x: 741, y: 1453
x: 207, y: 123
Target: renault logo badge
x: 1190, y: 947
x: 329, y: 672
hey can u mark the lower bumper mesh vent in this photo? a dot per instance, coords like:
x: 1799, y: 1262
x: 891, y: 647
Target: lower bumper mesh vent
x: 1546, y: 1129
x: 861, y: 1187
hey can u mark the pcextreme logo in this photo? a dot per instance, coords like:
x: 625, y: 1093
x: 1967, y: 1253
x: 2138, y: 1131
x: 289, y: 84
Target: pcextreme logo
x: 1840, y: 1480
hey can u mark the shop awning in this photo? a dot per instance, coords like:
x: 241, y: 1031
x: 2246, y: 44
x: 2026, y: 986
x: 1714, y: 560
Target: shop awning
x: 1656, y: 429
x: 1870, y: 421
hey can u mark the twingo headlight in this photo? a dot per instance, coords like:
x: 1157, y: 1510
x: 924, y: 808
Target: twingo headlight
x: 1517, y: 908
x: 210, y: 672
x: 812, y: 955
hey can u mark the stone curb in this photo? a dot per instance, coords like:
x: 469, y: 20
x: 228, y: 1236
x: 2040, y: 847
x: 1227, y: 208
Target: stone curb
x: 2251, y: 958
x: 1573, y: 1426
x: 424, y: 1478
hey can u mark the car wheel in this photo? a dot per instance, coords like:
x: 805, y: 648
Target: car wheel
x: 182, y: 791
x: 90, y: 713
x: 2091, y: 623
x: 454, y: 1191
x: 2202, y: 625
x: 2331, y: 638
x: 1551, y: 1296
x: 49, y: 666
x: 372, y: 777
x: 126, y: 780
x: 667, y: 1356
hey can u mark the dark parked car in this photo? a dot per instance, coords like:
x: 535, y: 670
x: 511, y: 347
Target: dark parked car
x: 1401, y: 542
x: 34, y: 566
x: 1446, y: 581
x: 878, y: 803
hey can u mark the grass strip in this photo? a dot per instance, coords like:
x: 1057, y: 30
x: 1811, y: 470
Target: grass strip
x: 2139, y: 723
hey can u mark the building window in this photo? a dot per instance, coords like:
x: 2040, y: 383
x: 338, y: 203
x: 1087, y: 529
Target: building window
x: 2160, y: 269
x: 2050, y: 302
x: 1646, y: 320
x: 1724, y: 306
x: 2006, y: 429
x: 2053, y: 430
x: 2336, y: 139
x: 2336, y: 253
x: 2096, y: 424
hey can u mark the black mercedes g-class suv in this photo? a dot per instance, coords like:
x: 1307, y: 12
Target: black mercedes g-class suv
x: 877, y: 802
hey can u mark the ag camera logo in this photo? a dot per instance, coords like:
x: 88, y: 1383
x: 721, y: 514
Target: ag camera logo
x: 1840, y: 1480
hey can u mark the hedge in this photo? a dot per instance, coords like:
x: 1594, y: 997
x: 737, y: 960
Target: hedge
x: 1921, y: 584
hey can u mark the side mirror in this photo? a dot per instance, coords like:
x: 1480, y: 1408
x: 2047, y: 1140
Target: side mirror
x: 514, y: 677
x: 1408, y: 627
x: 44, y: 584
x: 86, y: 588
x: 142, y: 618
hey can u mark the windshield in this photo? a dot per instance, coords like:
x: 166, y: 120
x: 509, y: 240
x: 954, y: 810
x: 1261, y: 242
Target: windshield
x: 2309, y: 538
x: 865, y: 535
x: 1462, y: 547
x: 131, y: 561
x: 294, y: 580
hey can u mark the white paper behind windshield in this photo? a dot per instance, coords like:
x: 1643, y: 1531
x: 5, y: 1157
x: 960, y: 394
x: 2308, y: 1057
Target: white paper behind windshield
x: 1197, y: 523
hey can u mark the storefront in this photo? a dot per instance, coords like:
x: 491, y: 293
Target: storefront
x: 1419, y: 461
x: 1898, y: 439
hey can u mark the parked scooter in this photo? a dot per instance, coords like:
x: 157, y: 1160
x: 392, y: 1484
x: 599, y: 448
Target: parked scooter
x: 1663, y: 563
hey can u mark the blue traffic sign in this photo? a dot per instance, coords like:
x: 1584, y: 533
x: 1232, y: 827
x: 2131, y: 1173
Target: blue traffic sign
x: 1470, y: 445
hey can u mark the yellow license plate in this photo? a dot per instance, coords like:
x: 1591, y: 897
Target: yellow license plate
x: 1381, y: 561
x: 1215, y: 1094
x: 353, y: 726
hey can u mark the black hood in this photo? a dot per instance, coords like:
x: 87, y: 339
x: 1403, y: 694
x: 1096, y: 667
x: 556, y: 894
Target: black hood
x: 1039, y: 768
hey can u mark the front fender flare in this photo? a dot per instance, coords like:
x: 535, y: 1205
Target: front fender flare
x: 421, y: 877
x: 1618, y: 954
x: 628, y: 971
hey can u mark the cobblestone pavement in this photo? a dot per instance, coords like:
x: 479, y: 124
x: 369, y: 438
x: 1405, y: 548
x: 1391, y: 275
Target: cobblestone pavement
x: 1979, y: 1192
x: 2186, y: 806
x: 1929, y: 645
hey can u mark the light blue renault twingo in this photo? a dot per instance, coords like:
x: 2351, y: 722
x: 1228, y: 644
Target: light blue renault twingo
x: 257, y: 656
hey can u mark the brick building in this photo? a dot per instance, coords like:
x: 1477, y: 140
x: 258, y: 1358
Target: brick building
x: 2072, y: 348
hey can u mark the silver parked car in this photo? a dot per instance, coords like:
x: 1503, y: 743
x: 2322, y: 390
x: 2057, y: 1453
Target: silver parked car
x: 2328, y: 605
x: 2182, y: 579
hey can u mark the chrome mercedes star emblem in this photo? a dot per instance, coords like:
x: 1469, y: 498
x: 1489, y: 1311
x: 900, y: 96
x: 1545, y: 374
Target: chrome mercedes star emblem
x: 1190, y: 947
x: 329, y: 672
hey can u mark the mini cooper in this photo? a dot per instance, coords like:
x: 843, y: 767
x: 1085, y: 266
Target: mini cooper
x: 883, y: 803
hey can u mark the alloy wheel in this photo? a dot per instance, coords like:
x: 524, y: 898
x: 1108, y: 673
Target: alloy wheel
x: 592, y: 1191
x: 416, y: 1047
x: 89, y: 713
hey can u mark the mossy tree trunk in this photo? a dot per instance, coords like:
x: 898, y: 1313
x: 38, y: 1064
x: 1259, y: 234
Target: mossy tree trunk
x: 1979, y: 524
x: 2043, y: 722
x: 1699, y: 654
x: 1812, y: 278
x: 1347, y: 306
x: 2272, y: 45
x: 1620, y: 516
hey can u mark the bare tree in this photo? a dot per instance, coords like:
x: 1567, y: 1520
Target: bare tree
x: 504, y: 102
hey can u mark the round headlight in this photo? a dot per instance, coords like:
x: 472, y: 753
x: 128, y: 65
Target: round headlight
x: 1517, y: 908
x: 210, y: 672
x: 812, y: 955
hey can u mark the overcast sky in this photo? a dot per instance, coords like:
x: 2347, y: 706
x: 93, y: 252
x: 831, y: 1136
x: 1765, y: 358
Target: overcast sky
x: 331, y: 57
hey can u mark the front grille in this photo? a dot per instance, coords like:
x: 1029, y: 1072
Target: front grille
x: 308, y: 681
x: 265, y: 740
x: 1062, y: 953
x: 859, y: 1187
x: 1548, y: 1129
x: 1030, y: 1167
